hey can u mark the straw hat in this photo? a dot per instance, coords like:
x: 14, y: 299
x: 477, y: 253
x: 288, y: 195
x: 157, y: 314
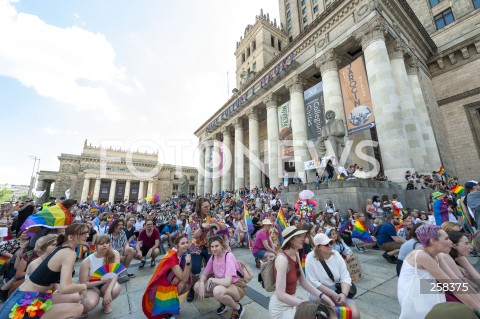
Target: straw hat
x: 266, y: 221
x: 289, y: 232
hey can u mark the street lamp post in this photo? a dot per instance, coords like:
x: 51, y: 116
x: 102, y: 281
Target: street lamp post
x: 32, y: 178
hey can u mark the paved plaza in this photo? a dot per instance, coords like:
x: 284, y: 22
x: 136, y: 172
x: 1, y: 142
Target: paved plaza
x: 376, y: 296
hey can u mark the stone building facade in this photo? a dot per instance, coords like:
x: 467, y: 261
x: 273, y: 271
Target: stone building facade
x: 113, y: 175
x: 422, y: 72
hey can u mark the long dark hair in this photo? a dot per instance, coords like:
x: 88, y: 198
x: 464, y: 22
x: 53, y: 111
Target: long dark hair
x: 455, y: 237
x: 198, y: 205
x: 72, y: 230
x: 114, y: 225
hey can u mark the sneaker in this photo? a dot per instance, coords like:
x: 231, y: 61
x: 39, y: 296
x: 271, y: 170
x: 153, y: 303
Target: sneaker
x: 237, y: 314
x: 390, y: 259
x: 191, y: 295
x: 358, y: 247
x: 221, y: 309
x: 257, y: 263
x: 131, y: 275
x: 142, y: 264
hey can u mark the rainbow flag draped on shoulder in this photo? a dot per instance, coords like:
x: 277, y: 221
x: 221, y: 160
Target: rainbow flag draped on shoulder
x: 281, y: 222
x: 360, y: 231
x: 53, y: 217
x: 249, y: 224
x: 397, y: 211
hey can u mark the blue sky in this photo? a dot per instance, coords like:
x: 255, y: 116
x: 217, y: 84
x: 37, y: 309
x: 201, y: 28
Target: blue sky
x: 133, y: 73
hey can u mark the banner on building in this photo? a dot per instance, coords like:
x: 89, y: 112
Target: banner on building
x: 314, y: 111
x: 285, y: 129
x: 357, y: 101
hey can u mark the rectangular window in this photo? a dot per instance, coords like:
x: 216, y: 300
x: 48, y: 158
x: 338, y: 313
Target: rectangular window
x: 279, y: 45
x: 272, y: 41
x: 243, y: 57
x: 254, y: 45
x: 476, y: 4
x: 314, y: 1
x: 443, y: 19
x: 315, y: 9
x: 303, y: 2
x: 305, y: 19
x: 287, y: 6
x: 433, y: 3
x: 248, y: 52
x: 288, y: 14
x: 289, y: 22
x: 254, y: 66
x: 304, y: 10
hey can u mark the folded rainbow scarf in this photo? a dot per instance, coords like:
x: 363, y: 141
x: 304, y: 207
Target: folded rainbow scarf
x: 360, y: 231
x: 56, y: 216
x: 161, y: 297
x: 343, y: 312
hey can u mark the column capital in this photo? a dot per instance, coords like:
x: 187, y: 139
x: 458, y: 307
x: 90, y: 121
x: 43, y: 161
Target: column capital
x: 252, y: 114
x: 226, y: 131
x: 271, y: 100
x: 238, y: 122
x: 396, y: 49
x: 412, y: 65
x: 373, y: 30
x: 327, y: 62
x: 295, y: 84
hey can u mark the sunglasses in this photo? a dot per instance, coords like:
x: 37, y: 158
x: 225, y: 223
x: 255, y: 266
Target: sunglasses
x: 329, y: 244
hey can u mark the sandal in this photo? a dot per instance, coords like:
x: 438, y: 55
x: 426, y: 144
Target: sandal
x: 153, y: 263
x: 108, y: 309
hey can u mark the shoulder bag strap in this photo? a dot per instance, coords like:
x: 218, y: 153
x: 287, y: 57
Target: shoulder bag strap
x: 327, y: 269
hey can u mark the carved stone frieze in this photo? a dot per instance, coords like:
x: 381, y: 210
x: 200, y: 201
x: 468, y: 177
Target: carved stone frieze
x: 396, y: 49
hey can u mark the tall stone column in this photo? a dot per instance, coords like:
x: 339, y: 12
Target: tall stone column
x: 113, y: 188
x: 208, y: 174
x: 407, y: 106
x: 40, y: 187
x: 150, y: 188
x: 86, y: 185
x: 386, y: 104
x: 216, y: 179
x: 227, y: 158
x: 332, y: 90
x: 433, y: 157
x: 96, y: 189
x: 271, y: 101
x: 299, y: 123
x: 140, y: 190
x: 127, y: 190
x: 201, y: 164
x: 254, y: 147
x: 239, y: 157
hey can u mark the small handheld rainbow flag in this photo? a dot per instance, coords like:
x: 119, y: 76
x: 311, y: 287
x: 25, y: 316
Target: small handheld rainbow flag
x: 441, y: 171
x: 360, y: 232
x: 343, y: 312
x: 80, y: 250
x: 457, y: 189
x: 281, y: 222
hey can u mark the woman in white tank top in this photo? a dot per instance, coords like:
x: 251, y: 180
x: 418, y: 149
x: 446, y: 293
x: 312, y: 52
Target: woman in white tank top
x: 107, y: 289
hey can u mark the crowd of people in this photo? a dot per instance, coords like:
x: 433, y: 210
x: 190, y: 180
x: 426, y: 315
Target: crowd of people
x: 193, y: 240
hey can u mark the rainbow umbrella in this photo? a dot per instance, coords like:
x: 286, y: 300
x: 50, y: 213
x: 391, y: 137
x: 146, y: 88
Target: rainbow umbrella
x: 156, y: 198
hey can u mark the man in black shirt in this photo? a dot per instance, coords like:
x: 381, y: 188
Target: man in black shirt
x: 26, y: 209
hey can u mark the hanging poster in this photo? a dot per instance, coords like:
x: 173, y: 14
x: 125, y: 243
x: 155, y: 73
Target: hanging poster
x: 357, y: 101
x: 314, y: 111
x: 285, y: 129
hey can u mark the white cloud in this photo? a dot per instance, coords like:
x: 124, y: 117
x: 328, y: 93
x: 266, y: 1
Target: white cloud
x: 70, y: 65
x: 79, y: 19
x: 50, y: 130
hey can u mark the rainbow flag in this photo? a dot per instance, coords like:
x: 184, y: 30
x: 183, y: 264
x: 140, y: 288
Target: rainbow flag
x: 3, y: 261
x: 248, y: 219
x: 396, y: 210
x: 457, y: 189
x: 343, y: 227
x: 303, y: 259
x: 441, y: 171
x: 467, y: 220
x: 161, y: 297
x: 343, y: 312
x: 80, y: 250
x: 360, y: 231
x: 53, y: 217
x: 281, y: 222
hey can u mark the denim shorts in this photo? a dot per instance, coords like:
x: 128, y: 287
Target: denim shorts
x: 260, y: 254
x: 197, y: 261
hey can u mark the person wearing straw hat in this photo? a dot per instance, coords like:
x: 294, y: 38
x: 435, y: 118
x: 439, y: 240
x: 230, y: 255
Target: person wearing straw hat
x: 288, y: 273
x: 440, y: 208
x: 263, y: 247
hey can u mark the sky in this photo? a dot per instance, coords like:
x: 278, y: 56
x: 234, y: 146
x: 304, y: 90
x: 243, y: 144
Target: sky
x: 141, y: 74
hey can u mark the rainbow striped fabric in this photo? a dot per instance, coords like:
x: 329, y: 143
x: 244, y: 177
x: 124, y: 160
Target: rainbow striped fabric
x: 56, y: 216
x: 360, y: 231
x: 396, y: 210
x: 457, y: 189
x: 441, y: 171
x: 343, y: 312
x: 281, y: 222
x: 161, y: 297
x: 3, y: 261
x: 303, y: 259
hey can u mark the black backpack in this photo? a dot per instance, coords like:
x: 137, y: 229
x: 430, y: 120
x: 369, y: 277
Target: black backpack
x: 376, y: 230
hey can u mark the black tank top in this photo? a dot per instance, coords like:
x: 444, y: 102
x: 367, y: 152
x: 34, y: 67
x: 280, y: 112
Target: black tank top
x: 43, y: 276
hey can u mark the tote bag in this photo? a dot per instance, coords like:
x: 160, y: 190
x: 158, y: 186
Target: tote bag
x: 416, y: 304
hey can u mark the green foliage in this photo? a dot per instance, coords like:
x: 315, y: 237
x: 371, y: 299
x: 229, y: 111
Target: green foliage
x: 5, y: 194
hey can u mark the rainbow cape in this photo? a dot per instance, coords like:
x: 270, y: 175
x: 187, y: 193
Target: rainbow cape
x: 360, y: 231
x: 56, y: 216
x: 161, y: 297
x: 457, y: 189
x: 281, y: 222
x: 343, y: 312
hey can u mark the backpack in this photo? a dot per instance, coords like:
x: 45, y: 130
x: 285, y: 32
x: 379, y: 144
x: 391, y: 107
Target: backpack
x: 266, y: 276
x: 243, y: 270
x: 376, y: 230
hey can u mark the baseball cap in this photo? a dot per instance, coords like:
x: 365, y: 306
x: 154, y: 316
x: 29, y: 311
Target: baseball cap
x: 321, y: 239
x: 471, y: 184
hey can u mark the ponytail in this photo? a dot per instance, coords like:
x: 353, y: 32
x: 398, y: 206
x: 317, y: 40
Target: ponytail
x: 61, y: 239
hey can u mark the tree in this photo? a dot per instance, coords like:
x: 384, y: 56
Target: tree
x: 5, y: 194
